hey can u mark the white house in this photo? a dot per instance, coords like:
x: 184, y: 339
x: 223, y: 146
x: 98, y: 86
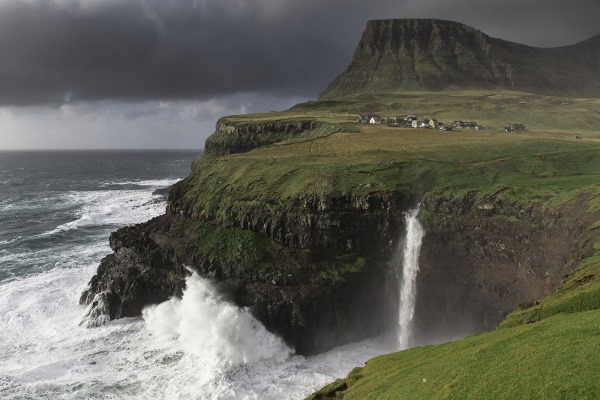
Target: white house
x: 375, y: 119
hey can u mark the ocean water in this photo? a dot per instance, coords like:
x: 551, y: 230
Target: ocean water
x: 57, y: 210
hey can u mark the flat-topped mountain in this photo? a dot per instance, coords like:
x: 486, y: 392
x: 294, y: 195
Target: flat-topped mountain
x: 430, y: 54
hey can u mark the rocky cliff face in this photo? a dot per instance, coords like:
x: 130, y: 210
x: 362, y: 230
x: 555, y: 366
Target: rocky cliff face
x: 231, y: 138
x: 483, y: 257
x: 323, y: 276
x: 417, y: 54
x: 321, y: 273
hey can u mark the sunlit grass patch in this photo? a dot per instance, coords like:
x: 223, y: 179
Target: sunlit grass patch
x: 553, y: 359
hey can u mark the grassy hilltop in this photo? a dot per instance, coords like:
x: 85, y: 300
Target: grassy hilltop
x: 491, y: 108
x: 556, y: 155
x: 546, y: 350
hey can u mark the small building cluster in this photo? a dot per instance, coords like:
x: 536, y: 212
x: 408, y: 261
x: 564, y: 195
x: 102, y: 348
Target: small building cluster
x: 369, y: 119
x: 514, y: 128
x: 464, y: 124
x: 413, y: 121
x: 431, y: 123
x: 377, y: 119
x: 427, y: 123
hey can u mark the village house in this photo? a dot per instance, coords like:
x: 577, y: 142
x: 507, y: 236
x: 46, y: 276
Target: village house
x: 424, y: 123
x: 375, y: 119
x: 409, y: 120
x: 369, y: 119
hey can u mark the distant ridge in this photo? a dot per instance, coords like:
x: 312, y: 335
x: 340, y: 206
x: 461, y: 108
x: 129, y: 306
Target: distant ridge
x: 431, y: 54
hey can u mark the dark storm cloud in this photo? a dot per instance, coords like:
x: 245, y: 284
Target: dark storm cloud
x: 545, y: 23
x: 57, y: 50
x: 136, y: 49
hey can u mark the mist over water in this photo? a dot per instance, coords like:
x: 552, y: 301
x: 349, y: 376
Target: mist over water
x: 408, y: 278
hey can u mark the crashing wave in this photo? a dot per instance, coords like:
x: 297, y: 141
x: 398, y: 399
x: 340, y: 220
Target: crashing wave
x: 99, y: 310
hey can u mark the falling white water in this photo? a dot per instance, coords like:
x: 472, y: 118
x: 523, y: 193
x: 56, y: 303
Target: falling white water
x: 410, y: 268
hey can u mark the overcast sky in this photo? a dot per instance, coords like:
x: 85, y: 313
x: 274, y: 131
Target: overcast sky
x: 159, y: 73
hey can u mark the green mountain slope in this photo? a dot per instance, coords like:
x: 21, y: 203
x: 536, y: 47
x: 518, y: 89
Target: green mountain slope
x: 430, y: 54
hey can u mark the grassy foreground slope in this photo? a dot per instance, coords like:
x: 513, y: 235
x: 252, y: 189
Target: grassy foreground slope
x: 553, y: 359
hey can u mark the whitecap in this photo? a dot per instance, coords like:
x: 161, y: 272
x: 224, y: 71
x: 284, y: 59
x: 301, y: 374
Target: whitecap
x: 111, y: 207
x: 157, y: 183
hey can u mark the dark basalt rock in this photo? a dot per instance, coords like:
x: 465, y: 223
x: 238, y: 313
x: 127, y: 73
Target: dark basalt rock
x: 480, y: 259
x: 163, y: 192
x: 311, y: 312
x: 483, y: 257
x: 136, y: 274
x: 230, y: 139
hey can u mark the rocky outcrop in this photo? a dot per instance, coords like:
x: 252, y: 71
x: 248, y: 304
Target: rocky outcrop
x: 322, y: 275
x: 431, y: 54
x: 322, y: 270
x: 230, y: 138
x: 135, y: 275
x: 364, y: 224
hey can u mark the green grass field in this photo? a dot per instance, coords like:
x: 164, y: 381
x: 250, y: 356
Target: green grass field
x: 494, y: 109
x: 553, y: 359
x: 550, y: 167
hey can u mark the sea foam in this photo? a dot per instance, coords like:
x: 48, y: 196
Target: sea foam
x: 207, y: 325
x: 199, y: 347
x: 114, y: 207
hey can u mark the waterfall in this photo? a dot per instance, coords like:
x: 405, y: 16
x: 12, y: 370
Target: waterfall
x: 408, y: 278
